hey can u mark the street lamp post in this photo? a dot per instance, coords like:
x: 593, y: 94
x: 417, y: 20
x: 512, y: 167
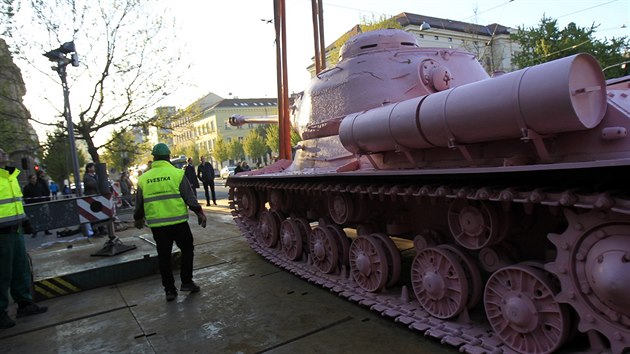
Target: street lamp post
x: 59, y: 56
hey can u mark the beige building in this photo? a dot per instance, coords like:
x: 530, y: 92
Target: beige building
x: 206, y: 121
x: 490, y: 43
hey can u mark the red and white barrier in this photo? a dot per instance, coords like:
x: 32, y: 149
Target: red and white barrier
x: 94, y: 208
x: 116, y: 194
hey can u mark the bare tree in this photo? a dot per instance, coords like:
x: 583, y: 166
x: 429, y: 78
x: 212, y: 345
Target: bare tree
x: 128, y: 60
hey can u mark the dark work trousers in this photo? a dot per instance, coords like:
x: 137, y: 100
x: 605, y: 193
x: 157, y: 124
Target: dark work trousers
x: 205, y: 187
x: 15, y: 272
x: 182, y: 236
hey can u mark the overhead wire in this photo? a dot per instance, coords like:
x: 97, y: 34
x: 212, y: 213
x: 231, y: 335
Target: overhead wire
x: 565, y: 49
x: 501, y: 5
x: 588, y: 8
x: 474, y: 15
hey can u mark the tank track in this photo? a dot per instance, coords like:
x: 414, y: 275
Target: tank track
x: 467, y: 335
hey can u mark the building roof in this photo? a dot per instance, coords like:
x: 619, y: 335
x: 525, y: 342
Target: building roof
x: 406, y: 19
x: 409, y: 19
x: 246, y: 102
x: 206, y: 101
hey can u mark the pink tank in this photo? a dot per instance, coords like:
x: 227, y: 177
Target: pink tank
x: 489, y: 213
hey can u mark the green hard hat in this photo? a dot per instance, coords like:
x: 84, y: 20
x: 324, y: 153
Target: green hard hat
x: 160, y: 149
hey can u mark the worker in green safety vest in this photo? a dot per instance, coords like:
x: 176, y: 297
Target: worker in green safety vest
x: 161, y: 199
x: 15, y: 272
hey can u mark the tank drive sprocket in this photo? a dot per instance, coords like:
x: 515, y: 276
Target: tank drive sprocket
x: 593, y: 266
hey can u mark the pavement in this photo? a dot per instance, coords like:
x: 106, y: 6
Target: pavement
x: 246, y: 305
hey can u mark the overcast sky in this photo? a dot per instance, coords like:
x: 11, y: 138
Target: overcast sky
x: 229, y: 45
x: 233, y: 51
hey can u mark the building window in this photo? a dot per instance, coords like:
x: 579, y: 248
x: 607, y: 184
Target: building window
x: 421, y: 35
x: 436, y: 38
x: 229, y: 140
x: 450, y: 39
x: 250, y: 125
x: 240, y: 139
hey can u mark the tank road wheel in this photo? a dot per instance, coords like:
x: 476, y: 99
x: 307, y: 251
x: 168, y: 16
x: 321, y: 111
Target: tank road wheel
x: 474, y: 225
x: 305, y: 231
x: 291, y: 239
x: 269, y: 228
x: 393, y: 258
x: 368, y: 263
x: 341, y: 207
x: 475, y: 283
x: 343, y: 245
x: 521, y: 307
x: 593, y: 265
x: 247, y: 202
x: 439, y: 282
x: 323, y: 249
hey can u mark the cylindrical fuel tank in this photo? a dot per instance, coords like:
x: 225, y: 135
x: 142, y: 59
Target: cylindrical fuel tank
x: 560, y: 96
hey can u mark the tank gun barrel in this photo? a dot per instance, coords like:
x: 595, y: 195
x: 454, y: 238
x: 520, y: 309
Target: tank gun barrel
x: 564, y: 95
x: 237, y: 120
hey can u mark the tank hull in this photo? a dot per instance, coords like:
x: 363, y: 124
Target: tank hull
x: 524, y: 207
x: 490, y: 213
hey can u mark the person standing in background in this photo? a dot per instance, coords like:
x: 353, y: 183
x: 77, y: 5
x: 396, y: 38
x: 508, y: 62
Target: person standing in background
x: 54, y: 190
x: 125, y: 189
x: 33, y: 193
x: 205, y: 173
x: 90, y: 181
x: 191, y: 176
x: 90, y: 187
x: 239, y: 168
x: 42, y: 184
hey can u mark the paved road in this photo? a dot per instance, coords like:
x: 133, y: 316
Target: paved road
x: 219, y: 189
x: 246, y: 305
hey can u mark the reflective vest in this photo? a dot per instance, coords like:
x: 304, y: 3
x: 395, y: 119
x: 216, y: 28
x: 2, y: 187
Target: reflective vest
x: 11, y: 207
x: 163, y: 205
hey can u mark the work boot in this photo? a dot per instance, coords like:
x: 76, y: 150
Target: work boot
x: 171, y: 294
x: 6, y: 321
x: 30, y: 309
x: 192, y: 287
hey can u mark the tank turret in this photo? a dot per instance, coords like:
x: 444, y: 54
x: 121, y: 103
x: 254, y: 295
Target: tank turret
x: 505, y: 197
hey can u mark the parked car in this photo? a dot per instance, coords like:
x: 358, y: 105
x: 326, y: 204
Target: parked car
x: 227, y: 171
x: 179, y: 162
